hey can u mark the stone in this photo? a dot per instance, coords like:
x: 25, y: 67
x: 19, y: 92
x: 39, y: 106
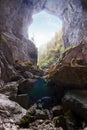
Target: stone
x: 33, y: 114
x: 9, y: 52
x: 76, y: 101
x: 25, y: 86
x: 23, y: 100
x: 9, y: 110
x: 7, y: 70
x: 57, y: 110
x: 46, y: 102
x: 73, y: 15
x: 60, y: 121
x: 1, y: 83
x: 71, y: 71
x: 10, y: 89
x: 28, y: 74
x: 2, y: 128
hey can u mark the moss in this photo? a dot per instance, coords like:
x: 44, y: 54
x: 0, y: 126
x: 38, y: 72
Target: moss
x: 24, y: 123
x: 56, y: 120
x: 67, y: 50
x: 60, y: 121
x: 46, y: 62
x: 64, y: 53
x: 3, y: 38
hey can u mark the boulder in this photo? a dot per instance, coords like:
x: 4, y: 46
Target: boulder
x: 25, y: 86
x: 71, y: 77
x: 23, y: 100
x: 76, y: 101
x: 9, y: 110
x: 71, y: 69
x: 10, y: 89
x: 28, y: 74
x: 57, y: 110
x: 46, y: 102
x: 33, y: 114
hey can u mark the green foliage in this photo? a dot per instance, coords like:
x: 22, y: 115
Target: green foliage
x: 53, y: 51
x: 68, y: 49
x: 3, y: 38
x: 64, y: 53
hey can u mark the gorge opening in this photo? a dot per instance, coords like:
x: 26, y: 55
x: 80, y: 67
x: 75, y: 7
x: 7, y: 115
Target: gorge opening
x: 46, y: 33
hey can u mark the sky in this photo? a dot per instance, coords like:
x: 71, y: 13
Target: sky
x: 43, y: 28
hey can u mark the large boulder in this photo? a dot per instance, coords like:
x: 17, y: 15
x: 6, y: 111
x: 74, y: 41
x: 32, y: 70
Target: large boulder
x: 76, y: 101
x: 26, y: 85
x: 9, y: 110
x: 71, y: 70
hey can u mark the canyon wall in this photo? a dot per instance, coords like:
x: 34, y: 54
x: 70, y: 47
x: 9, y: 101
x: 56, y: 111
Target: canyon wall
x: 16, y: 16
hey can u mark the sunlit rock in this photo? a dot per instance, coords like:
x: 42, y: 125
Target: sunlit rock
x: 71, y: 70
x: 9, y: 110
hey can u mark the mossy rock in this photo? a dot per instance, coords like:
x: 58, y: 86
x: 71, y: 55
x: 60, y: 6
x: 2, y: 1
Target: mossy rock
x: 42, y: 114
x: 24, y: 123
x: 3, y: 38
x: 64, y: 53
x: 32, y: 110
x: 59, y: 121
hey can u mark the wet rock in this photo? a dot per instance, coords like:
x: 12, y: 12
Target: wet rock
x: 46, y: 102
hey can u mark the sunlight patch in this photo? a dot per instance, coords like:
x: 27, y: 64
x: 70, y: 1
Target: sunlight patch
x: 43, y: 28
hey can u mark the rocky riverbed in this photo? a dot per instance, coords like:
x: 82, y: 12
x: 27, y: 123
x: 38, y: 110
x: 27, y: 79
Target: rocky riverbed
x: 46, y: 101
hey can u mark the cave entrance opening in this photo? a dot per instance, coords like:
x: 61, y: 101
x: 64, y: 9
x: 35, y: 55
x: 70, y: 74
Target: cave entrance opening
x: 46, y: 33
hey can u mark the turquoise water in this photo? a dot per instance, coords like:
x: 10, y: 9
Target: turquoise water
x: 39, y: 90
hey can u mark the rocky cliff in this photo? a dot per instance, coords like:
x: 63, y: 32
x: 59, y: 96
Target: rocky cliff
x: 19, y: 72
x: 16, y: 16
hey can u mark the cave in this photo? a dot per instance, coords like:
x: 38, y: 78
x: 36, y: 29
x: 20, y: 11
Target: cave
x: 19, y: 15
x: 20, y: 75
x: 45, y: 32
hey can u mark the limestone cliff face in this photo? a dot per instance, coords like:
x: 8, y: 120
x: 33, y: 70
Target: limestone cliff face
x: 16, y: 16
x: 13, y: 17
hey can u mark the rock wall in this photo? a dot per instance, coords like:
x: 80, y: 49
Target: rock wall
x: 16, y: 16
x: 13, y: 17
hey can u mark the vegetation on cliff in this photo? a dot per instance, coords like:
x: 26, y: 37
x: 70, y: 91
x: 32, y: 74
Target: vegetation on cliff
x: 51, y: 54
